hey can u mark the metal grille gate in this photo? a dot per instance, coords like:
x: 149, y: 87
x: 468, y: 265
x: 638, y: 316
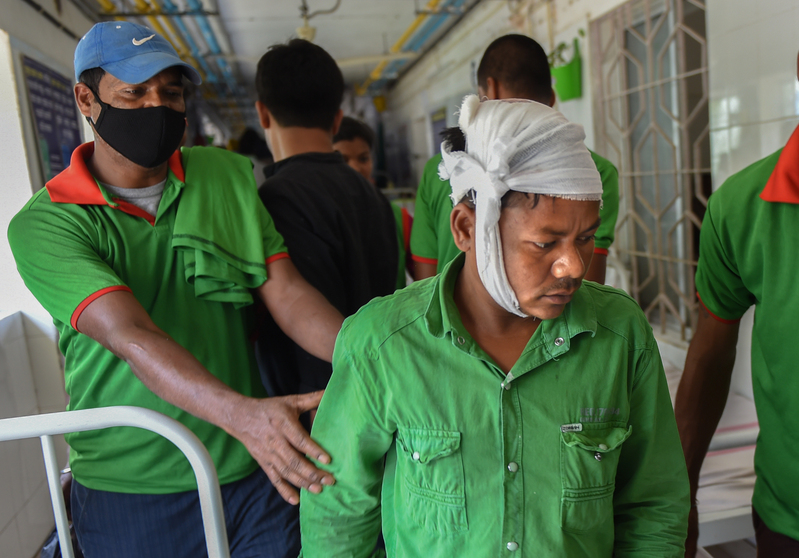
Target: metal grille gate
x: 649, y: 62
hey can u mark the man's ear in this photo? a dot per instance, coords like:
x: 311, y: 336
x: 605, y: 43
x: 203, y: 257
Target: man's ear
x: 492, y: 89
x: 337, y: 122
x: 264, y: 116
x: 84, y: 98
x: 461, y: 222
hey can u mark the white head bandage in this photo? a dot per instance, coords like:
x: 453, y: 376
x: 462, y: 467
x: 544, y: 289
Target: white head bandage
x: 514, y: 145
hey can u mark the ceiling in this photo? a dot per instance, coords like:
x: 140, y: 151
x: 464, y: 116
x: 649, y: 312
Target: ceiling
x: 359, y: 28
x: 374, y: 41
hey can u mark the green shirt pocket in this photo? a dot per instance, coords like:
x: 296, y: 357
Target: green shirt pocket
x: 430, y: 471
x: 588, y: 462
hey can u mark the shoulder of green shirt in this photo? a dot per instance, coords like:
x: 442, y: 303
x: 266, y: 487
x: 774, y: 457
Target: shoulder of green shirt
x: 382, y: 317
x: 737, y: 201
x: 609, y: 176
x: 208, y: 155
x: 604, y: 166
x: 424, y: 242
x: 740, y: 188
x: 619, y: 313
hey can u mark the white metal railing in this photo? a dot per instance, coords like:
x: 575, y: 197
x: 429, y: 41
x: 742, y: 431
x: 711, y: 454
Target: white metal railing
x: 53, y: 424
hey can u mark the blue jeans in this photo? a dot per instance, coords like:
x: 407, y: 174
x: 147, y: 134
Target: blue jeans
x: 260, y: 524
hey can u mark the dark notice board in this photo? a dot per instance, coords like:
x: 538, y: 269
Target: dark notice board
x: 55, y: 116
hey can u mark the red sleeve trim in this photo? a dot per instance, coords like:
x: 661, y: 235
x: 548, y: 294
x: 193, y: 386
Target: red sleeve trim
x: 91, y: 298
x: 603, y: 251
x: 722, y: 320
x: 277, y: 257
x: 407, y: 222
x: 420, y: 259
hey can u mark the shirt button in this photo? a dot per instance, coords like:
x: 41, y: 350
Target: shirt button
x: 505, y: 386
x: 415, y: 456
x: 513, y: 467
x: 513, y: 546
x: 461, y: 340
x: 603, y: 447
x: 559, y: 341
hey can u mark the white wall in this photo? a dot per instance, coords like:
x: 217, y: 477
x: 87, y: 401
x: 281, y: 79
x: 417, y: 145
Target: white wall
x: 31, y: 380
x: 23, y: 30
x: 442, y: 77
x: 446, y: 73
x: 754, y: 102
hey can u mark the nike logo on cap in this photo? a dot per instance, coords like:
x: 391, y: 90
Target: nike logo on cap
x: 142, y: 41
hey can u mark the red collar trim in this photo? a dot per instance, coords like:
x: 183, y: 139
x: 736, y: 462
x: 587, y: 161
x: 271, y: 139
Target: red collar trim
x: 783, y: 184
x: 75, y: 184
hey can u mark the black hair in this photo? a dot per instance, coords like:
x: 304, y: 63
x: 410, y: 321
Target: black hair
x: 251, y: 143
x: 351, y: 128
x: 520, y: 64
x: 456, y: 141
x: 300, y: 84
x: 92, y: 77
x: 454, y: 138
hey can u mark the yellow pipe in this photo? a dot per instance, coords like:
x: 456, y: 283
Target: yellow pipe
x: 142, y: 7
x: 108, y: 7
x: 377, y: 72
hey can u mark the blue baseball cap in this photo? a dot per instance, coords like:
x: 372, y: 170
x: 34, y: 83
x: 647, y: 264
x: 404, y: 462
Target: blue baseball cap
x: 129, y: 52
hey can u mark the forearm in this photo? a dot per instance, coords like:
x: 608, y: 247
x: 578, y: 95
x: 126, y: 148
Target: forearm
x: 174, y: 375
x: 267, y: 427
x: 300, y: 310
x: 701, y: 398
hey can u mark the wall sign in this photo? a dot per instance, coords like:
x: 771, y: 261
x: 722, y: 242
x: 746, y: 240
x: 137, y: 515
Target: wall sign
x: 55, y: 116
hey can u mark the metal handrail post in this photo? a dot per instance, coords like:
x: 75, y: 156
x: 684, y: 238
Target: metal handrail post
x: 57, y: 496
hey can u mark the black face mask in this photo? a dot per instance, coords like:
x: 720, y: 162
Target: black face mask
x: 147, y: 136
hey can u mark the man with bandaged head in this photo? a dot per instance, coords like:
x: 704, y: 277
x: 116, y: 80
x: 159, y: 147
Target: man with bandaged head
x: 503, y: 407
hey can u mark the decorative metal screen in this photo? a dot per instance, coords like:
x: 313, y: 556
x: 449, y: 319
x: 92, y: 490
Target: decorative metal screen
x: 649, y: 62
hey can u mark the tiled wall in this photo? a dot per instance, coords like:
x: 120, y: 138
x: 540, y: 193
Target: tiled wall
x: 31, y: 382
x: 754, y: 96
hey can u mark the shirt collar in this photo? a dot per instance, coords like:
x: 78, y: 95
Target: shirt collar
x: 442, y: 315
x: 783, y: 184
x: 75, y: 184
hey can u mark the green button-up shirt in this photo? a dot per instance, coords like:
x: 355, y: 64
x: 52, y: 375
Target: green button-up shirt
x: 573, y: 453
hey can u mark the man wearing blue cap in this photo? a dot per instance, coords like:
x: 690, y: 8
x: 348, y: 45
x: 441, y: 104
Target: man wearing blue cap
x: 146, y: 257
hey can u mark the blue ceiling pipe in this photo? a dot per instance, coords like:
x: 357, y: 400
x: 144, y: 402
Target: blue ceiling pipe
x: 213, y: 46
x: 210, y: 73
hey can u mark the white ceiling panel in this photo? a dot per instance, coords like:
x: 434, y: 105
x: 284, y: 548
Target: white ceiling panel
x: 358, y: 28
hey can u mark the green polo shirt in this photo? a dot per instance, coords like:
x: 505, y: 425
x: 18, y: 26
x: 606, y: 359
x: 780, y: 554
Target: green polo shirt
x: 574, y: 453
x: 747, y: 256
x: 431, y: 237
x: 85, y: 244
